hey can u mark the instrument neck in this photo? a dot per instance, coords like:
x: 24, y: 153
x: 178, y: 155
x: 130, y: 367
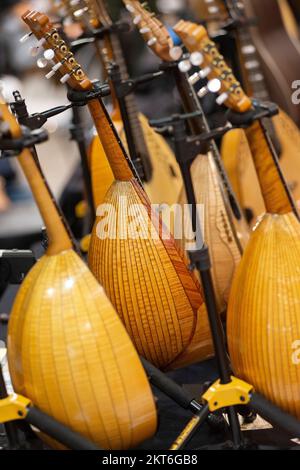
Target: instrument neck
x: 59, y: 235
x: 120, y: 163
x: 253, y: 76
x: 199, y: 125
x: 130, y: 115
x: 274, y: 188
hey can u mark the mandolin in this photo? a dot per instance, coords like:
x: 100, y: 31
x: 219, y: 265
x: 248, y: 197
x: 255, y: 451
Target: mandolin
x: 223, y: 233
x: 148, y: 150
x: 235, y: 149
x: 263, y: 315
x: 67, y: 348
x: 131, y: 252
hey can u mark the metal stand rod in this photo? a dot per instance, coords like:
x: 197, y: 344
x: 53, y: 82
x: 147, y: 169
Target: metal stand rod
x: 201, y: 260
x: 275, y: 415
x: 58, y: 431
x: 78, y: 135
x: 189, y: 431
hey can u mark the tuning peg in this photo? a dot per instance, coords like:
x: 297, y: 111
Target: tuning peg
x: 65, y: 78
x: 54, y: 69
x: 137, y: 19
x: 49, y: 54
x: 42, y: 62
x: 196, y: 58
x: 73, y: 3
x: 151, y: 42
x: 130, y: 8
x: 185, y: 65
x: 35, y: 49
x: 145, y: 30
x: 25, y: 37
x: 176, y: 52
x: 80, y: 12
x: 222, y: 98
x: 50, y: 74
x: 213, y: 86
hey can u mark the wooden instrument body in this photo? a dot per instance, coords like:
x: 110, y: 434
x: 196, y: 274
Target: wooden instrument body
x: 69, y: 353
x: 263, y: 316
x: 275, y: 47
x: 148, y: 282
x: 218, y: 232
x: 264, y: 308
x: 67, y: 348
x: 238, y: 162
x: 165, y: 184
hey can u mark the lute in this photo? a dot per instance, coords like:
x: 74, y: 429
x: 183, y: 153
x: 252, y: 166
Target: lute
x: 147, y: 279
x: 263, y: 315
x: 223, y: 233
x: 65, y: 338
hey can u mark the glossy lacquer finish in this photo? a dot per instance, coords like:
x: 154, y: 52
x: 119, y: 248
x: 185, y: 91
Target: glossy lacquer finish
x: 165, y: 167
x: 69, y: 353
x: 157, y: 298
x: 67, y: 349
x: 264, y: 312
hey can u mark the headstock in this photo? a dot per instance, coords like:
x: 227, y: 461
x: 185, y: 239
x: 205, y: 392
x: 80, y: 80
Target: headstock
x: 153, y: 31
x: 56, y: 51
x: 213, y: 67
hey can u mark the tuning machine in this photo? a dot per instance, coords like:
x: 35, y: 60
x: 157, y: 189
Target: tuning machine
x: 213, y: 86
x: 34, y: 50
x: 195, y: 59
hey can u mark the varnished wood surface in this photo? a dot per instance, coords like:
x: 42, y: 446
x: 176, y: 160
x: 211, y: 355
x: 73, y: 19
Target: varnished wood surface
x: 165, y: 167
x: 218, y: 232
x: 264, y: 312
x: 272, y: 185
x: 149, y: 284
x: 67, y: 348
x: 69, y: 353
x: 110, y: 141
x: 59, y: 239
x: 237, y: 159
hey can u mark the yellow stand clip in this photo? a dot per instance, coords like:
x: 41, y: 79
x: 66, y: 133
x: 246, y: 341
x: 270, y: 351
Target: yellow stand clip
x: 236, y: 392
x: 13, y: 407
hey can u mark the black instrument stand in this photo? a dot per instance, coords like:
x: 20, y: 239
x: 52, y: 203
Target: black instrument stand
x: 186, y: 150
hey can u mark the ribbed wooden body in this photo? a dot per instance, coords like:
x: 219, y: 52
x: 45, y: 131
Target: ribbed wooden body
x: 219, y: 235
x: 264, y: 312
x: 69, y: 353
x: 239, y: 165
x: 157, y: 298
x: 166, y: 182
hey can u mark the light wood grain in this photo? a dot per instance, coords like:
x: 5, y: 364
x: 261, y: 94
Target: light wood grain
x: 219, y: 234
x: 238, y: 162
x: 264, y: 311
x: 69, y: 353
x: 148, y: 282
x: 272, y: 185
x: 67, y: 348
x: 165, y: 184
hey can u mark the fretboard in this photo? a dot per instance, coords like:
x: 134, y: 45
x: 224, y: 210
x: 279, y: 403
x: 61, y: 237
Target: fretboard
x: 141, y: 150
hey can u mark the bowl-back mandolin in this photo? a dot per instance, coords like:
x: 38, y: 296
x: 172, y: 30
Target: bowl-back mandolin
x: 223, y: 232
x: 264, y: 304
x: 147, y: 279
x: 67, y: 348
